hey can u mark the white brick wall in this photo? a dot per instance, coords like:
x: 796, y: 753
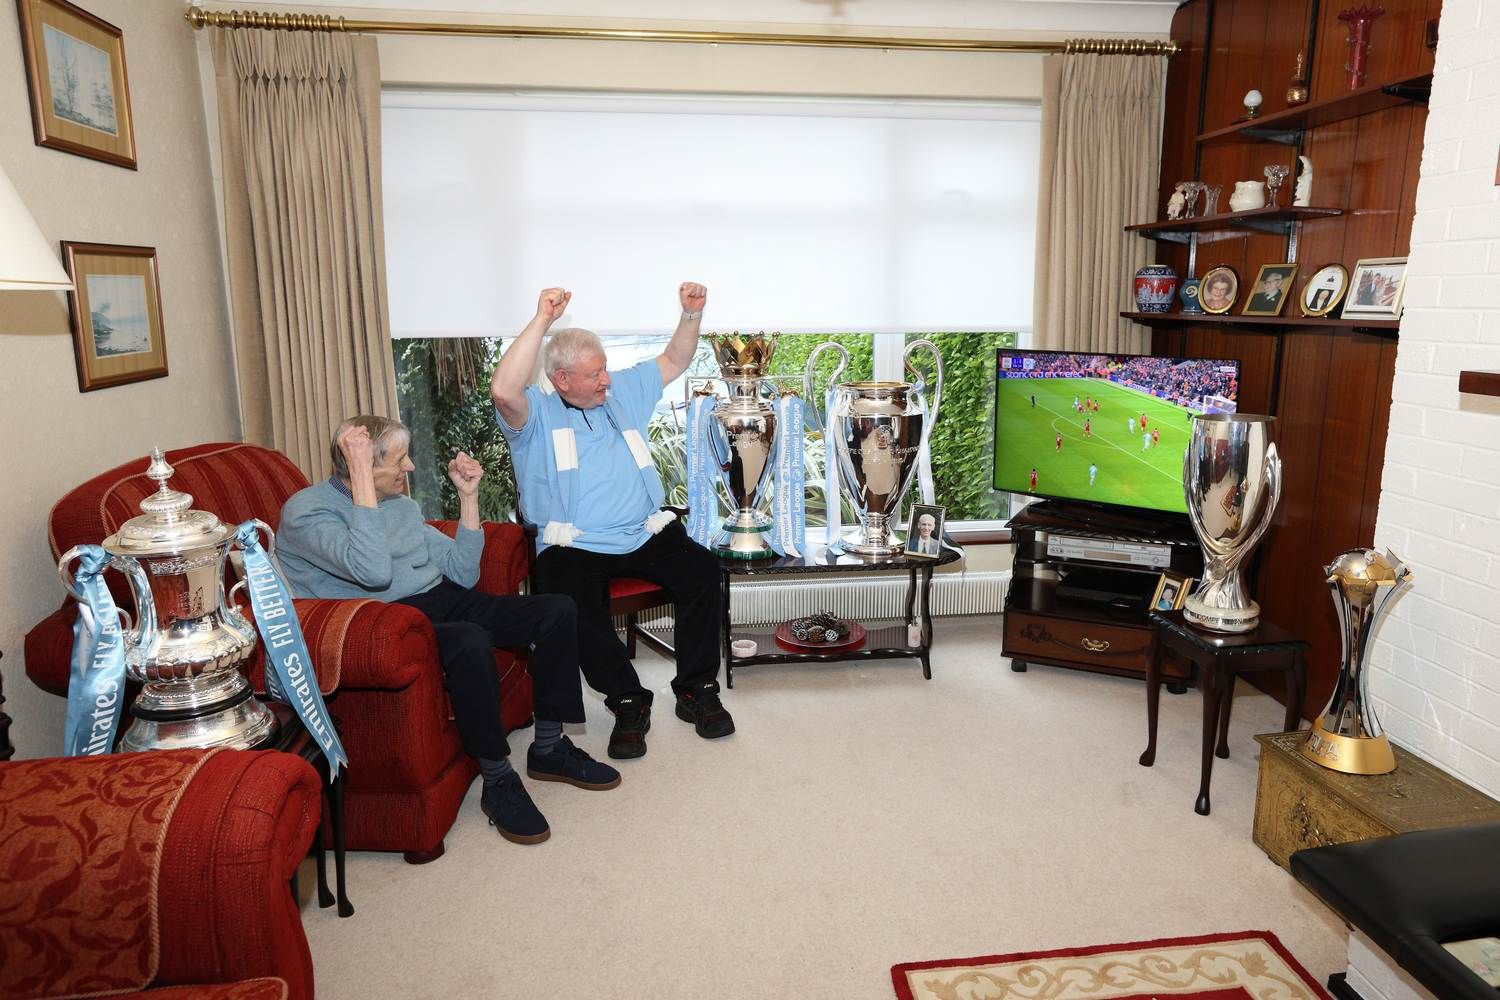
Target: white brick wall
x: 1435, y: 675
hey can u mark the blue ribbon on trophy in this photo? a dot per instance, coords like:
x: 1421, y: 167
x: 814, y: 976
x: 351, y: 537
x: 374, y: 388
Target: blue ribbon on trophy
x: 289, y: 667
x: 703, y: 499
x: 96, y: 685
x: 789, y: 503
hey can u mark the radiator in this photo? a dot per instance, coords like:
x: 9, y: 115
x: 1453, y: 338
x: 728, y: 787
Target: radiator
x: 854, y: 596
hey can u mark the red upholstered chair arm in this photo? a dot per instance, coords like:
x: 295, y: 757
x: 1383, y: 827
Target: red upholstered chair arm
x: 241, y: 829
x: 504, y: 566
x: 49, y: 647
x: 361, y: 645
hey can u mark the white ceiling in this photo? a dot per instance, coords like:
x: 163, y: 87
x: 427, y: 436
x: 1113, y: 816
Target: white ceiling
x: 1083, y: 17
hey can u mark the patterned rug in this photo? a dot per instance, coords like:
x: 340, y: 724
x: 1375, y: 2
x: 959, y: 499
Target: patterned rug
x: 1246, y: 965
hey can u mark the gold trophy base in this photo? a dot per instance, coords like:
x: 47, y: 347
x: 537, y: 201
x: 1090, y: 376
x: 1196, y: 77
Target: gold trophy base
x: 1349, y: 754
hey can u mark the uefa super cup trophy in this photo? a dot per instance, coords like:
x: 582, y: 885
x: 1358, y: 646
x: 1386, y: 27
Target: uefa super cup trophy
x: 188, y: 640
x: 742, y: 437
x: 874, y: 431
x: 1346, y: 736
x: 1232, y: 478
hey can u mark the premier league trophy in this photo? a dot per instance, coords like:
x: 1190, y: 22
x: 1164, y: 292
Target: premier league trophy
x: 874, y: 432
x: 188, y: 639
x: 1232, y: 477
x: 742, y: 437
x: 1346, y: 736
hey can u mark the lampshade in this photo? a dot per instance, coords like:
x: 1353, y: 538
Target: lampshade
x: 27, y: 259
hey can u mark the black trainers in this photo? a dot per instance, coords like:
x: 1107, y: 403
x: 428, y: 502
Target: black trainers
x: 632, y: 722
x: 701, y: 707
x: 567, y: 763
x: 512, y: 812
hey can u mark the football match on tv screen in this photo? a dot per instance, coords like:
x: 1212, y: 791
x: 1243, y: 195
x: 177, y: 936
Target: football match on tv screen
x: 1102, y: 428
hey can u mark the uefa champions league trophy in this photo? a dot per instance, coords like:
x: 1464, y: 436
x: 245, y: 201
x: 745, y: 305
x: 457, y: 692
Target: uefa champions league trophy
x: 742, y: 438
x: 1346, y: 736
x: 1232, y: 478
x: 875, y: 431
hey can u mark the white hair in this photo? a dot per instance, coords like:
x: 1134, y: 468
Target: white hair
x: 385, y: 434
x: 564, y: 347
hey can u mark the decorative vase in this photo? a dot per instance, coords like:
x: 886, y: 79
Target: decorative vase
x: 1359, y: 19
x: 1155, y: 285
x: 1189, y: 295
x: 1247, y: 195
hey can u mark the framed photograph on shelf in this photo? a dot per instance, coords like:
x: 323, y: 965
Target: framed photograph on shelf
x: 75, y: 71
x: 924, y: 537
x: 116, y: 313
x: 1325, y: 290
x: 1218, y: 290
x: 1270, y: 292
x: 1375, y: 288
x: 1172, y: 590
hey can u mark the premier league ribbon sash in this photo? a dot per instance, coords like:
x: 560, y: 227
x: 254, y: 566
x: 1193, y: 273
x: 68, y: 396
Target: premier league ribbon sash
x: 290, y: 677
x: 789, y: 503
x: 96, y: 681
x: 703, y: 499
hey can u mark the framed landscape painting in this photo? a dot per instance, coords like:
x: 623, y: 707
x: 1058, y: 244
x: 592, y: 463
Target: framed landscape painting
x: 116, y: 312
x: 75, y: 71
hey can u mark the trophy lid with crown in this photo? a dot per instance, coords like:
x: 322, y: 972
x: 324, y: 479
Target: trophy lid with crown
x: 743, y: 356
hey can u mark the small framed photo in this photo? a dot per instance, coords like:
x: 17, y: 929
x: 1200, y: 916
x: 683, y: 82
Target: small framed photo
x: 116, y: 313
x: 1218, y: 290
x: 1324, y: 290
x: 1172, y: 591
x: 924, y: 536
x: 1375, y: 288
x: 75, y: 71
x: 1270, y: 292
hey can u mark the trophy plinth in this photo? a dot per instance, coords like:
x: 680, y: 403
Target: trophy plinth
x: 743, y: 438
x: 1346, y: 736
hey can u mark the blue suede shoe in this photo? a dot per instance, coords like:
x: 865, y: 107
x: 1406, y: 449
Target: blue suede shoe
x: 569, y: 764
x: 512, y: 812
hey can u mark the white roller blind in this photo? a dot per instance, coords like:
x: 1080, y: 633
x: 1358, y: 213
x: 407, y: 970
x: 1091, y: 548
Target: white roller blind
x: 799, y: 215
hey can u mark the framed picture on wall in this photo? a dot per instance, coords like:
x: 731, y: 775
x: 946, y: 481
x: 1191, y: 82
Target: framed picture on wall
x: 116, y: 313
x: 75, y: 71
x: 1376, y: 287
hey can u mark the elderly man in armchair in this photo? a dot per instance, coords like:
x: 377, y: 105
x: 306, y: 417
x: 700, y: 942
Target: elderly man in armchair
x: 588, y: 482
x: 358, y: 534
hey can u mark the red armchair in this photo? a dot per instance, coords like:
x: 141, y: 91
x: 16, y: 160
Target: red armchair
x: 146, y: 870
x: 377, y: 662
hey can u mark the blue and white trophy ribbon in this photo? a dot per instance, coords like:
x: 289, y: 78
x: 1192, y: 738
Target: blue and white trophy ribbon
x: 832, y: 502
x: 702, y: 471
x: 96, y: 683
x: 290, y: 676
x: 789, y: 504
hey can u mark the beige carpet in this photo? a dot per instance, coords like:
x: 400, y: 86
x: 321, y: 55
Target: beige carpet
x: 860, y: 817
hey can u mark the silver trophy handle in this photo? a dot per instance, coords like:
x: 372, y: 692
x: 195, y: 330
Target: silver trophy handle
x: 1273, y: 481
x: 937, y: 394
x: 140, y: 585
x: 261, y: 527
x: 65, y: 573
x: 820, y: 415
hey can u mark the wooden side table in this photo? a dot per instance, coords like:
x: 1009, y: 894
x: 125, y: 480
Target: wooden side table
x: 293, y: 737
x: 1218, y: 659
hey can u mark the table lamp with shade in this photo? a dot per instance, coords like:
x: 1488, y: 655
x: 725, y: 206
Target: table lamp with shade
x: 27, y: 259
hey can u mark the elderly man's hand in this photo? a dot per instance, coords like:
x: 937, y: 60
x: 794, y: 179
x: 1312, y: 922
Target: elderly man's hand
x: 465, y: 474
x: 693, y: 296
x: 358, y: 449
x: 552, y: 303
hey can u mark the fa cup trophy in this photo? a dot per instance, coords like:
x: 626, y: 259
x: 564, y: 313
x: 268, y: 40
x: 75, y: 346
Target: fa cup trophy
x: 874, y: 431
x: 1232, y: 477
x: 742, y: 436
x: 1346, y: 737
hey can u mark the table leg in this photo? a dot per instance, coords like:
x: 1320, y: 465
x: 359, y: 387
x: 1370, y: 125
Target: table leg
x: 1226, y: 701
x: 1212, y: 685
x: 1153, y: 701
x: 325, y: 895
x: 1296, y: 685
x: 336, y: 797
x: 725, y: 637
x: 926, y: 622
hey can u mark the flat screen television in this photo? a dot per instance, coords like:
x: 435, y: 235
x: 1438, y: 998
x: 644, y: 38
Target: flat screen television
x: 1109, y: 429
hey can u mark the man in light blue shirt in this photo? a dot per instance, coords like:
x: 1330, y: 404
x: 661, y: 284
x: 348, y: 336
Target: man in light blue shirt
x: 589, y: 485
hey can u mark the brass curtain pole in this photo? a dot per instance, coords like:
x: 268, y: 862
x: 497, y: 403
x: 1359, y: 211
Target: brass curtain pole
x: 200, y: 18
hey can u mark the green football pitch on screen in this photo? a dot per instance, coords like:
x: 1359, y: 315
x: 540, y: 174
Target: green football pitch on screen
x: 1130, y: 468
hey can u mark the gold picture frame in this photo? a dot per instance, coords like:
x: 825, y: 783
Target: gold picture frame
x: 75, y: 72
x: 1172, y: 590
x: 1325, y: 290
x: 118, y: 336
x: 1210, y: 294
x: 1268, y: 295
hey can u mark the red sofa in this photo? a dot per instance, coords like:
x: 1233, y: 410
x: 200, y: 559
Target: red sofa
x: 192, y: 848
x: 377, y: 662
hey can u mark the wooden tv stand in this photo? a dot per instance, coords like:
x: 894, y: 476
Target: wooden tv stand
x: 1044, y: 627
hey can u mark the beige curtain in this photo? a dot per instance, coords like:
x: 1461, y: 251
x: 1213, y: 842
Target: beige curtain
x: 299, y: 126
x: 1101, y: 145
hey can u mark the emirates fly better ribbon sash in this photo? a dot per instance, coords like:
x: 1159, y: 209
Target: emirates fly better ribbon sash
x: 96, y: 681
